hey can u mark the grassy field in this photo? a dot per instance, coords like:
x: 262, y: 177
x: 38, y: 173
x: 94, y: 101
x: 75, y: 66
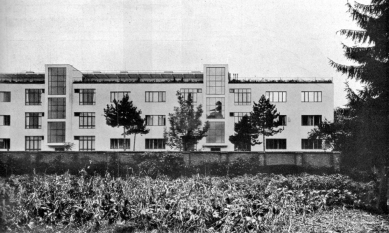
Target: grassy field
x: 260, y: 203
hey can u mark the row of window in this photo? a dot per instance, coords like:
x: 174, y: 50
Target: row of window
x: 306, y: 120
x: 87, y: 143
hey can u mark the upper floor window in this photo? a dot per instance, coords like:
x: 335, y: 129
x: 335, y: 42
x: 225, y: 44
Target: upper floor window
x: 282, y: 120
x: 242, y: 96
x: 155, y: 120
x: 87, y: 96
x: 34, y: 96
x: 238, y: 115
x: 57, y: 108
x: 5, y: 96
x: 310, y: 119
x: 34, y: 120
x: 216, y: 132
x: 311, y: 96
x: 5, y: 143
x: 86, y: 143
x: 155, y: 96
x: 5, y: 120
x: 307, y: 144
x: 215, y: 109
x: 215, y: 80
x: 154, y: 143
x: 276, y: 96
x: 190, y: 91
x: 33, y: 143
x: 56, y: 132
x: 86, y: 120
x: 119, y: 143
x: 57, y: 80
x: 276, y: 144
x: 118, y: 95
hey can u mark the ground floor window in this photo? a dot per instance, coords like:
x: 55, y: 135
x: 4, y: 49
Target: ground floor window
x: 86, y: 143
x: 5, y: 143
x: 155, y: 143
x: 117, y: 143
x: 307, y: 144
x: 33, y: 143
x: 215, y: 132
x: 56, y: 132
x: 276, y: 144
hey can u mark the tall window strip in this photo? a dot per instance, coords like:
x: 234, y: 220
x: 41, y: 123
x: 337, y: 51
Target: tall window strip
x: 242, y: 96
x: 216, y: 132
x: 215, y: 107
x: 86, y: 120
x: 154, y: 143
x: 57, y: 108
x: 311, y: 144
x: 155, y: 96
x: 86, y: 143
x: 215, y: 80
x: 311, y: 96
x: 276, y: 144
x: 276, y: 96
x: 34, y: 120
x: 5, y: 120
x: 56, y: 132
x: 5, y: 96
x: 34, y: 96
x: 57, y: 80
x: 119, y: 143
x: 33, y: 143
x: 307, y: 120
x: 190, y: 91
x: 238, y: 115
x: 155, y: 120
x: 118, y: 95
x: 5, y: 143
x: 87, y: 97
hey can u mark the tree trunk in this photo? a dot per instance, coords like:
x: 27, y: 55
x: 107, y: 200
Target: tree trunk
x: 264, y: 144
x: 134, y: 142
x: 382, y: 205
x: 124, y: 136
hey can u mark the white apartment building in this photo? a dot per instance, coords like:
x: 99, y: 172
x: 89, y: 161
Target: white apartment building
x: 42, y: 112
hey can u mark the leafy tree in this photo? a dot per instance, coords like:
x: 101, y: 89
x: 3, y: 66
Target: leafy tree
x: 185, y: 125
x: 243, y: 134
x: 264, y: 120
x: 370, y: 106
x: 124, y: 113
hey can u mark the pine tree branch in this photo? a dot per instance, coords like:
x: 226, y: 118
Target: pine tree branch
x: 361, y: 19
x: 369, y: 9
x: 359, y: 36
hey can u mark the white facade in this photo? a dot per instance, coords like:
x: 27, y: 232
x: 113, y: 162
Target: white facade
x: 15, y: 134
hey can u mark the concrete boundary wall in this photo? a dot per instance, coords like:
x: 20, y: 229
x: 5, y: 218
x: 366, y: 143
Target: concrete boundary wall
x: 303, y: 159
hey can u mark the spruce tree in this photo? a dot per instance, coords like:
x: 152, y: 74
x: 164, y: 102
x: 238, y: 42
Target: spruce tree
x: 243, y: 134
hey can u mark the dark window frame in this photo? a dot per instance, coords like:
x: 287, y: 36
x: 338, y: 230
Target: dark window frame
x: 6, y: 121
x: 86, y: 143
x: 34, y: 141
x: 311, y: 144
x: 5, y: 96
x: 242, y: 96
x: 271, y: 94
x: 56, y: 131
x: 161, y: 120
x: 149, y: 96
x: 57, y: 80
x: 276, y: 144
x: 5, y: 143
x: 33, y: 96
x: 33, y: 120
x: 117, y: 143
x: 215, y: 135
x: 86, y: 120
x: 311, y: 120
x: 155, y: 144
x: 192, y: 91
x: 214, y: 100
x: 317, y: 96
x: 87, y: 97
x: 117, y: 94
x: 215, y: 80
x: 57, y: 108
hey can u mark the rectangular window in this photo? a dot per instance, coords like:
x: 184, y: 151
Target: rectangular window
x: 215, y: 107
x: 276, y: 144
x: 33, y: 143
x: 159, y: 120
x: 215, y: 132
x: 118, y: 143
x: 238, y: 115
x: 57, y: 108
x: 5, y: 96
x: 155, y: 96
x: 34, y: 96
x: 215, y: 80
x: 87, y: 97
x: 242, y: 96
x: 86, y: 120
x: 155, y: 144
x: 282, y: 119
x: 57, y: 80
x: 56, y: 132
x: 86, y: 143
x: 190, y: 91
x: 33, y: 120
x: 310, y: 119
x: 5, y: 143
x: 5, y: 120
x: 118, y: 95
x: 307, y: 144
x: 311, y: 96
x: 276, y: 96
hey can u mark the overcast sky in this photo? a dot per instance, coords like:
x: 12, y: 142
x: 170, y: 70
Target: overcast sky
x: 262, y: 38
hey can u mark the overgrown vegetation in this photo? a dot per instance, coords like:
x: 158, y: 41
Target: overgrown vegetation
x: 267, y: 203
